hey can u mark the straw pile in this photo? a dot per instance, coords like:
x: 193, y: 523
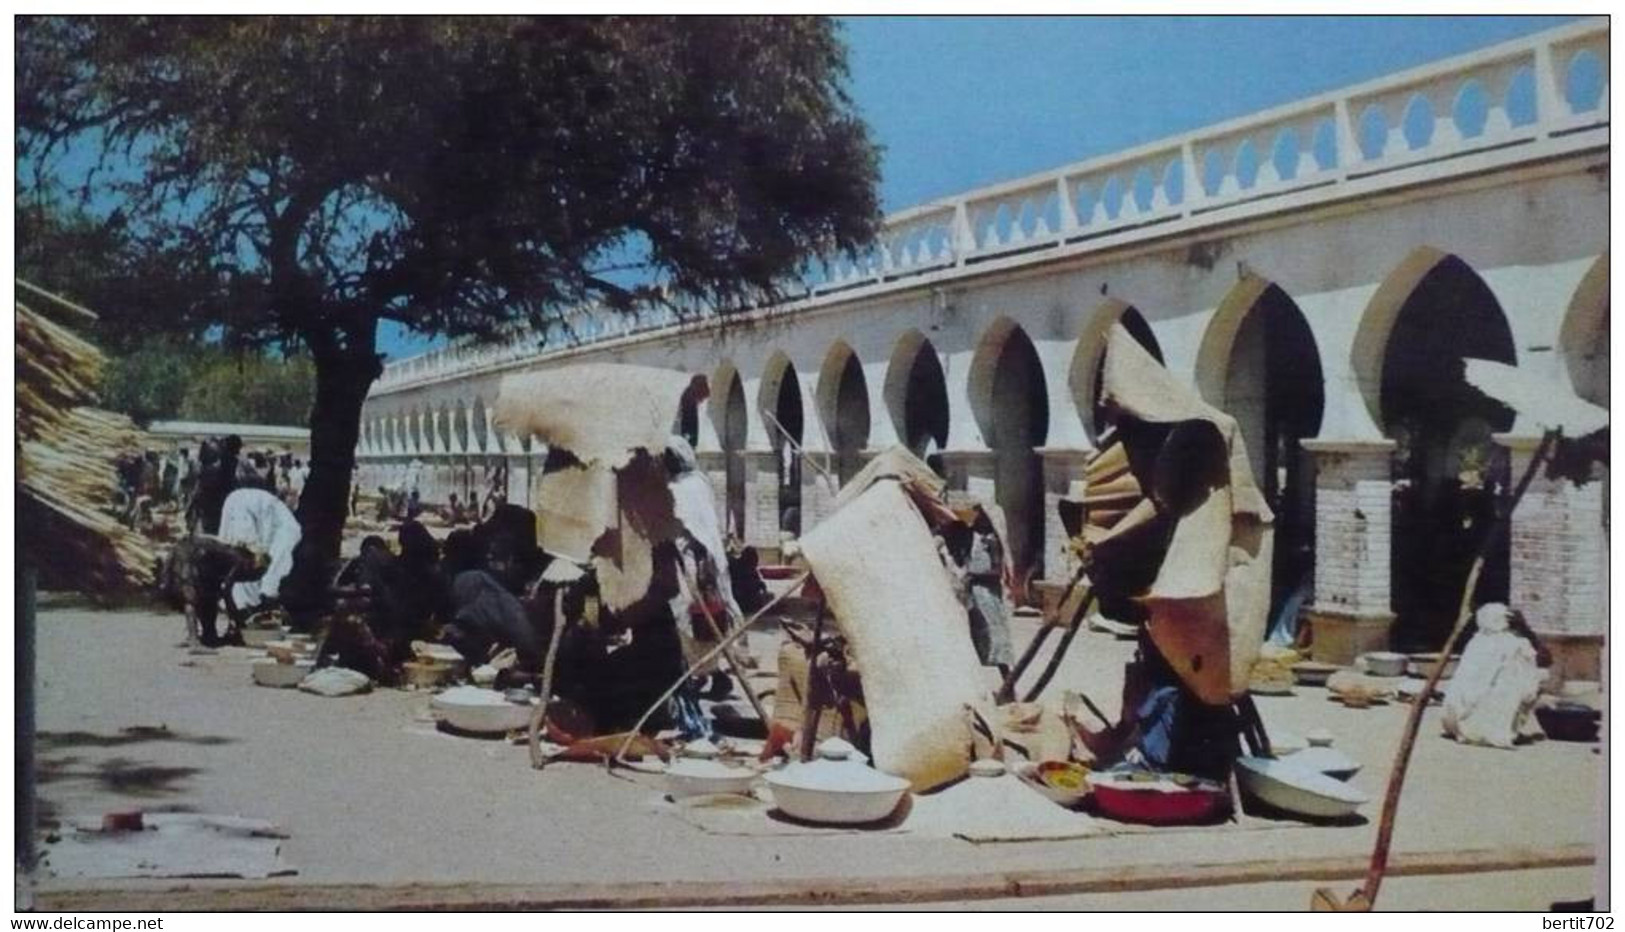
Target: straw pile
x: 66, y: 451
x: 57, y: 370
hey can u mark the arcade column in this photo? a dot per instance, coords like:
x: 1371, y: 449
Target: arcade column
x: 1351, y: 612
x: 1063, y: 478
x: 762, y: 502
x: 1559, y: 563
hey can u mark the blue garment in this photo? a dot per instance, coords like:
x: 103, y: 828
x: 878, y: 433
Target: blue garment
x: 1156, y: 719
x: 686, y: 715
x: 1284, y: 626
x: 1179, y: 733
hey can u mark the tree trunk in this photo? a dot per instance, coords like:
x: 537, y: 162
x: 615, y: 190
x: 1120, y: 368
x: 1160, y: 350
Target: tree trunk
x: 344, y: 374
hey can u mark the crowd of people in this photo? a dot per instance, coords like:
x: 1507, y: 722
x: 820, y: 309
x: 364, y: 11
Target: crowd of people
x: 403, y: 500
x: 485, y: 590
x: 197, y: 486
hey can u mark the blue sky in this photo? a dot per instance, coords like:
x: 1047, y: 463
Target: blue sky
x: 960, y: 102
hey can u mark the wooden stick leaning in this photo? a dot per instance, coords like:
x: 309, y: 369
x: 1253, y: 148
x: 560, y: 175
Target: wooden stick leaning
x: 1061, y: 648
x: 1365, y: 898
x: 1007, y: 689
x: 710, y: 655
x: 533, y: 733
x: 728, y: 656
x: 811, y: 711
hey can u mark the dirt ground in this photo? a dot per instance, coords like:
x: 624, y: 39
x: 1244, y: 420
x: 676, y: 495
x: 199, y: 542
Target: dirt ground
x: 371, y: 794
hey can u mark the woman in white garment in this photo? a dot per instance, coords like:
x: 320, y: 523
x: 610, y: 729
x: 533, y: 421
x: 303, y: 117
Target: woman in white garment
x: 258, y: 520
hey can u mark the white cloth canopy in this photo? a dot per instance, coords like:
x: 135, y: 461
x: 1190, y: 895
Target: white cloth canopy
x: 256, y: 519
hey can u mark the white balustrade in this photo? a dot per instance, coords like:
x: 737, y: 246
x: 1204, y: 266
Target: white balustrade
x: 1539, y: 88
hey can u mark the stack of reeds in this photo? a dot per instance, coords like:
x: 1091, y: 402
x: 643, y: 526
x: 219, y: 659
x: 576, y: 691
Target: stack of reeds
x: 66, y: 454
x: 57, y: 370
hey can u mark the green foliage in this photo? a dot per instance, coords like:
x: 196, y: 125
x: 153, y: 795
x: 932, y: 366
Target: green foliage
x: 152, y: 374
x: 251, y: 390
x: 311, y: 175
x: 150, y: 382
x: 307, y: 177
x: 165, y: 378
x: 63, y: 248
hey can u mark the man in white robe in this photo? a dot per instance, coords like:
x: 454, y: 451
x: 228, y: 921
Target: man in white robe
x: 258, y: 520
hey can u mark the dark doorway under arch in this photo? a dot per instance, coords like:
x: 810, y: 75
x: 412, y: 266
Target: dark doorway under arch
x: 734, y: 436
x: 1275, y: 390
x: 1447, y: 469
x: 788, y: 413
x: 1020, y: 423
x: 850, y: 432
x: 925, y: 403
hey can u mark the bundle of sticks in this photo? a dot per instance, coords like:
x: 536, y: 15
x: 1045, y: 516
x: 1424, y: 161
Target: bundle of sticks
x: 66, y: 454
x: 57, y: 370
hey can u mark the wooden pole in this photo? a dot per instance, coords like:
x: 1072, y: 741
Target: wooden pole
x: 734, y: 666
x: 538, y: 715
x: 710, y: 655
x: 1365, y: 898
x: 1007, y: 689
x: 1061, y: 648
x: 809, y: 703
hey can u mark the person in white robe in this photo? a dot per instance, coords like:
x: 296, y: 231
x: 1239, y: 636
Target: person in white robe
x: 1493, y: 692
x: 258, y: 520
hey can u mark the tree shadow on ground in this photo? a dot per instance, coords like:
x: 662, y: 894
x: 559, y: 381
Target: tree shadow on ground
x: 118, y: 775
x: 47, y: 741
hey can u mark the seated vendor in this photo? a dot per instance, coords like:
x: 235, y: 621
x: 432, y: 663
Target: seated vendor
x: 485, y: 618
x: 195, y: 578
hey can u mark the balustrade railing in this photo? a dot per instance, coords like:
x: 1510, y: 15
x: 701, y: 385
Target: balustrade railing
x: 1548, y: 85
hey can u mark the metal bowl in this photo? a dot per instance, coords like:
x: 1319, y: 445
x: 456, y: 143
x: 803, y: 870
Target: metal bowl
x: 1385, y: 663
x: 700, y: 777
x: 1041, y: 777
x: 1313, y: 672
x: 481, y: 711
x: 1569, y: 721
x: 1158, y: 799
x: 282, y: 675
x: 836, y: 793
x: 1297, y: 790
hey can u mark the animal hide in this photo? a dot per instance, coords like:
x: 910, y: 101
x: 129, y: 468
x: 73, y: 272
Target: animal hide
x: 892, y: 598
x: 1208, y: 602
x: 600, y: 412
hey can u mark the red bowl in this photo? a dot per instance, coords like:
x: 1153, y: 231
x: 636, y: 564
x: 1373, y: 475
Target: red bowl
x: 777, y: 571
x: 1160, y: 802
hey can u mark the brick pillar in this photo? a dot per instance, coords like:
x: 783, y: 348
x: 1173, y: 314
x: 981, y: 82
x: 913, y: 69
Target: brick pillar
x: 1063, y: 478
x: 762, y: 501
x: 1351, y: 612
x: 1559, y: 563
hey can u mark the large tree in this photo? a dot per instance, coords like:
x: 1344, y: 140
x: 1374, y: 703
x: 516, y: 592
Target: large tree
x: 458, y: 176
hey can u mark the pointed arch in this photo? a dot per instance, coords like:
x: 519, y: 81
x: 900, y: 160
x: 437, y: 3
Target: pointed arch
x: 1213, y: 357
x: 1084, y: 375
x: 1010, y: 401
x: 1431, y: 314
x: 780, y: 390
x: 730, y: 416
x: 1584, y: 337
x: 843, y: 407
x: 916, y: 393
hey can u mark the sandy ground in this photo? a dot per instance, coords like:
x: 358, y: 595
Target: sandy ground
x: 369, y: 792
